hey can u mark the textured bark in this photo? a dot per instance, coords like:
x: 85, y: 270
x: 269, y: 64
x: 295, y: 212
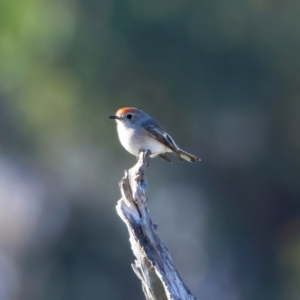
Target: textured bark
x: 153, y: 264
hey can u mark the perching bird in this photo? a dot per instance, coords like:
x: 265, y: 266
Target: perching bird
x: 139, y: 132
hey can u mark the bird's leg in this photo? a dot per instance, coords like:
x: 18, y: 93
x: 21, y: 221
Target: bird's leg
x: 147, y: 152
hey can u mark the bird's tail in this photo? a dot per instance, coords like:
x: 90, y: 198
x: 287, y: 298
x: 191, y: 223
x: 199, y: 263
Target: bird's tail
x: 188, y: 156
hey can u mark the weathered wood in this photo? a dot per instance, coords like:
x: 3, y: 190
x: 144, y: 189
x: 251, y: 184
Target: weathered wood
x: 153, y: 264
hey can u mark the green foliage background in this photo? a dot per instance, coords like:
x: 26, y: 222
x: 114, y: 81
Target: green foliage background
x: 222, y: 76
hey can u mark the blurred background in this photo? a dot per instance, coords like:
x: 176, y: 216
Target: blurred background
x: 223, y: 77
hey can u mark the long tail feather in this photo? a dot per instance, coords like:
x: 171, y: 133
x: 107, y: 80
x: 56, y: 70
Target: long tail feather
x: 188, y: 156
x: 178, y: 155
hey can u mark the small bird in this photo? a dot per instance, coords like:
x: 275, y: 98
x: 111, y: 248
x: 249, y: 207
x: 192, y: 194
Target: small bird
x: 139, y: 132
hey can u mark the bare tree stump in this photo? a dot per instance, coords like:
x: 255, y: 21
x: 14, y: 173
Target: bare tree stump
x: 153, y: 264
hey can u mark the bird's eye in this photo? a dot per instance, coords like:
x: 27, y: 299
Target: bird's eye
x: 129, y: 116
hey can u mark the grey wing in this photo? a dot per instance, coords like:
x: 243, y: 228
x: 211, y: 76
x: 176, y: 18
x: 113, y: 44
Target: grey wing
x: 154, y: 129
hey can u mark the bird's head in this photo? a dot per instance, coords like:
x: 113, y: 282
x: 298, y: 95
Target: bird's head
x: 128, y: 116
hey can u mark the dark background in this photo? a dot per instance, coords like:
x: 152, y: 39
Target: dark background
x: 222, y: 76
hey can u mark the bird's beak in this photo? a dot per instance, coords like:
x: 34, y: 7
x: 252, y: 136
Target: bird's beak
x: 114, y: 117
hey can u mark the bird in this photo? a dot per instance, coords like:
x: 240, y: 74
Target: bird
x: 139, y: 132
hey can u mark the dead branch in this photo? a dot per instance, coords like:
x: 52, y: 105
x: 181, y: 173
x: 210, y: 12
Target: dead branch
x: 153, y: 264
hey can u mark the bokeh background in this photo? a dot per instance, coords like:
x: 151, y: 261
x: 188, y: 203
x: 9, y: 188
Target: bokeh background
x: 222, y: 76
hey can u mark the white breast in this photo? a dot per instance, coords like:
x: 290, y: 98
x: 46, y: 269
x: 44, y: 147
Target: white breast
x: 135, y: 141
